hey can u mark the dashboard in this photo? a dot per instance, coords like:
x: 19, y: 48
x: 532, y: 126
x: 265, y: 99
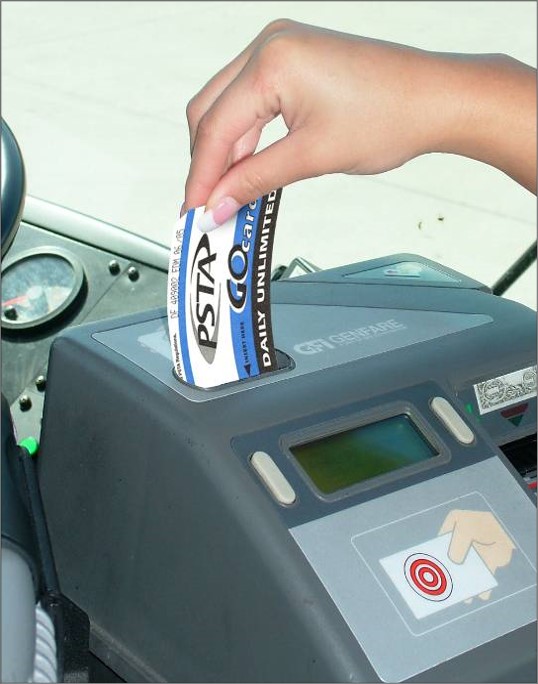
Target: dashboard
x: 63, y: 269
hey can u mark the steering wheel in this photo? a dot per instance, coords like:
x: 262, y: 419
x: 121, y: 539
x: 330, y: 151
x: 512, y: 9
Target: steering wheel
x: 13, y: 187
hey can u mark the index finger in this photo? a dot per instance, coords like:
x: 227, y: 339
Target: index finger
x: 202, y: 102
x: 237, y: 110
x: 461, y: 542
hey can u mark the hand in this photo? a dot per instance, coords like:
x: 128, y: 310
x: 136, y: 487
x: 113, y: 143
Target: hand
x: 482, y: 531
x: 351, y: 105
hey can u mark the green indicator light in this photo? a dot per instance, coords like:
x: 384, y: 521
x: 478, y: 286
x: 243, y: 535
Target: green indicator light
x: 470, y: 409
x: 30, y: 444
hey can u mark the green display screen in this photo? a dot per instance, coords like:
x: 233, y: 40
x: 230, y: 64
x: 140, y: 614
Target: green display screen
x: 344, y: 459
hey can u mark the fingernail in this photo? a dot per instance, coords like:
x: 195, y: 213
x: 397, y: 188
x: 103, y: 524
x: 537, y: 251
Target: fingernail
x: 182, y: 210
x: 212, y: 218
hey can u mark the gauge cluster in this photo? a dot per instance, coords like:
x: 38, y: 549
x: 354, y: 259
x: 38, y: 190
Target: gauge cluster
x: 50, y: 282
x: 41, y: 288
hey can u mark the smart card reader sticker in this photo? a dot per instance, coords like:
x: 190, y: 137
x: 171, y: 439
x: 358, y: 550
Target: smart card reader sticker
x: 219, y: 312
x: 429, y: 581
x: 407, y: 562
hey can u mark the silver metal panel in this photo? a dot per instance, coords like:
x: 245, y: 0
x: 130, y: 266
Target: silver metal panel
x: 91, y: 231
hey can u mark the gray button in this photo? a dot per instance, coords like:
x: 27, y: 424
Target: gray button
x: 271, y: 475
x: 452, y: 420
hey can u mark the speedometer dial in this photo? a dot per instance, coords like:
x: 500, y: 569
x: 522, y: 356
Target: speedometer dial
x: 40, y: 287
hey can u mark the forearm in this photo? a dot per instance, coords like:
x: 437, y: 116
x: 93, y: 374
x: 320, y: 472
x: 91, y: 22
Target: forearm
x: 490, y: 113
x: 379, y: 104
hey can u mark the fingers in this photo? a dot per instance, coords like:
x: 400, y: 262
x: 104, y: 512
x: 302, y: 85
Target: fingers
x: 230, y: 129
x: 481, y: 530
x: 280, y: 164
x: 496, y: 554
x: 284, y: 162
x: 205, y: 99
x: 450, y: 522
x: 461, y: 542
x: 463, y: 534
x: 227, y: 116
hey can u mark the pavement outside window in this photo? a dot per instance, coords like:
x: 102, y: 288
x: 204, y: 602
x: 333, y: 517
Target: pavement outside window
x: 96, y: 94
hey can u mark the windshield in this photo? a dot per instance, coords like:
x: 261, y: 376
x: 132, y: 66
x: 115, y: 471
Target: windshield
x: 96, y: 94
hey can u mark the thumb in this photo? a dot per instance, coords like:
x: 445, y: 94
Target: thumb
x: 284, y: 162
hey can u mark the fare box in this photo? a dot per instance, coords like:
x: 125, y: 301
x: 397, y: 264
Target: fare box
x: 219, y: 311
x: 430, y: 582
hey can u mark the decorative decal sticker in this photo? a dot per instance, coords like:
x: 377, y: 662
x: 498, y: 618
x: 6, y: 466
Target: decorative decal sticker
x: 506, y: 390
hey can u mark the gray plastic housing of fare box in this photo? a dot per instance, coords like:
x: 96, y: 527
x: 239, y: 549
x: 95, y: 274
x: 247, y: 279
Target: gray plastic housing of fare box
x: 188, y: 567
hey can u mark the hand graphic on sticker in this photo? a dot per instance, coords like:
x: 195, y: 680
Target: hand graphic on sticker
x: 482, y: 531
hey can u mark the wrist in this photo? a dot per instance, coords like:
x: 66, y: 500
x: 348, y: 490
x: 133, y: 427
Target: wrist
x: 486, y: 110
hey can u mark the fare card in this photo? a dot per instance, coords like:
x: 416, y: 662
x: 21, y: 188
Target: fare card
x: 219, y: 312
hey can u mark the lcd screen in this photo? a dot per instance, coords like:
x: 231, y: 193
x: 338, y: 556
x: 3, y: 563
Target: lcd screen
x: 339, y: 461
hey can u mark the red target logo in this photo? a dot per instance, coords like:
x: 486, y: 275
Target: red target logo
x: 428, y: 577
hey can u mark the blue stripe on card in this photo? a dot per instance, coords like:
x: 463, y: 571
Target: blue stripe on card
x: 182, y: 303
x: 241, y: 322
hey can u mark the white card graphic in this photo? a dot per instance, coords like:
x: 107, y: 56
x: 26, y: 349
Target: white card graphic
x: 429, y: 581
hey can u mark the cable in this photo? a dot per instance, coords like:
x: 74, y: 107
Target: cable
x: 515, y: 271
